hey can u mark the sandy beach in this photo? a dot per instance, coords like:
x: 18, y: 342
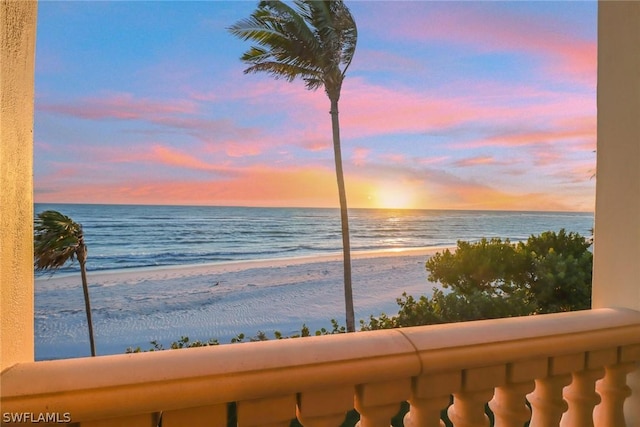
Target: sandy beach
x: 132, y: 307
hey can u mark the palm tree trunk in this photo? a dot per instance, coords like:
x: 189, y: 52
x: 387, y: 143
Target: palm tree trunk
x: 87, y: 305
x: 344, y: 218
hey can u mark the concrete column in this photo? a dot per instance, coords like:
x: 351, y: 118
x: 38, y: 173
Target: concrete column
x: 616, y: 280
x: 17, y: 60
x: 616, y: 275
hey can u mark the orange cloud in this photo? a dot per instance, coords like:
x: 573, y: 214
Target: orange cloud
x: 257, y: 186
x: 473, y: 196
x: 314, y: 187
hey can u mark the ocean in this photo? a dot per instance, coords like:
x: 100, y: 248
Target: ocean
x: 162, y: 272
x: 134, y: 236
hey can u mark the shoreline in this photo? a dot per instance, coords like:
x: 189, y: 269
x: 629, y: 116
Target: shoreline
x: 130, y: 308
x: 239, y: 265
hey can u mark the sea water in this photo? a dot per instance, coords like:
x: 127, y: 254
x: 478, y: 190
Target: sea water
x: 130, y: 236
x: 147, y: 239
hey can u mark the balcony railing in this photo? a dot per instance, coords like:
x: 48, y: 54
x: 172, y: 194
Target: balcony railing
x: 570, y: 368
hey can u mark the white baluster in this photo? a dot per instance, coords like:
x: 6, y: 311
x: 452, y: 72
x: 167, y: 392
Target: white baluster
x: 613, y: 391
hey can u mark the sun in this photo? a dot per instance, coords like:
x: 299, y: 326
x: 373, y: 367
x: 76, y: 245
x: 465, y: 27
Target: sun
x: 394, y: 197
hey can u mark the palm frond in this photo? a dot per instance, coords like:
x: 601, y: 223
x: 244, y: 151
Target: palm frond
x: 337, y: 31
x: 57, y: 240
x: 279, y: 70
x: 310, y: 40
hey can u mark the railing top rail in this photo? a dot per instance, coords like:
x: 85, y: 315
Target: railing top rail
x: 507, y: 340
x: 134, y: 383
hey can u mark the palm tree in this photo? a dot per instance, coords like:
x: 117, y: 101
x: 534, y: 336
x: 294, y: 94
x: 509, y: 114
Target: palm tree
x: 58, y: 239
x: 315, y: 41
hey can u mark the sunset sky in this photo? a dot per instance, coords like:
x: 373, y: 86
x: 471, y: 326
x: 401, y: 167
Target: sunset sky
x: 447, y: 105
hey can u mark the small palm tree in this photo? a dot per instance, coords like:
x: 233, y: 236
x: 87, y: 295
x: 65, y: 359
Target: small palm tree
x: 58, y: 239
x: 315, y: 41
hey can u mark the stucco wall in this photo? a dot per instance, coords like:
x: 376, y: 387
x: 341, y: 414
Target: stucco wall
x: 616, y: 275
x: 18, y: 33
x: 617, y: 227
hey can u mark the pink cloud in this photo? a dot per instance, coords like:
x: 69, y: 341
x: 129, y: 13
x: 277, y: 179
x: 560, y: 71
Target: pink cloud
x: 484, y: 28
x: 432, y: 160
x: 168, y: 114
x: 396, y: 158
x: 476, y: 161
x: 368, y: 109
x: 317, y: 144
x: 122, y: 107
x: 546, y: 157
x: 513, y: 139
x: 172, y: 157
x: 243, y: 149
x: 304, y: 114
x: 372, y: 110
x: 577, y: 172
x: 360, y: 156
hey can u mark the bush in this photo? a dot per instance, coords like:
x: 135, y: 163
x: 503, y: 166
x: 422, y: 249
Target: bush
x: 494, y: 278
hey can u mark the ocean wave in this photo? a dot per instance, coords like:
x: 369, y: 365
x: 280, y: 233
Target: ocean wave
x: 149, y: 236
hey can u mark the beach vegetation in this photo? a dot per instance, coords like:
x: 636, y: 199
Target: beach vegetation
x: 58, y: 240
x: 493, y: 278
x: 314, y: 41
x: 185, y: 342
x: 551, y: 272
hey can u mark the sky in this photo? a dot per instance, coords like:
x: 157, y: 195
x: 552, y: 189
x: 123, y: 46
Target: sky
x: 446, y: 105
